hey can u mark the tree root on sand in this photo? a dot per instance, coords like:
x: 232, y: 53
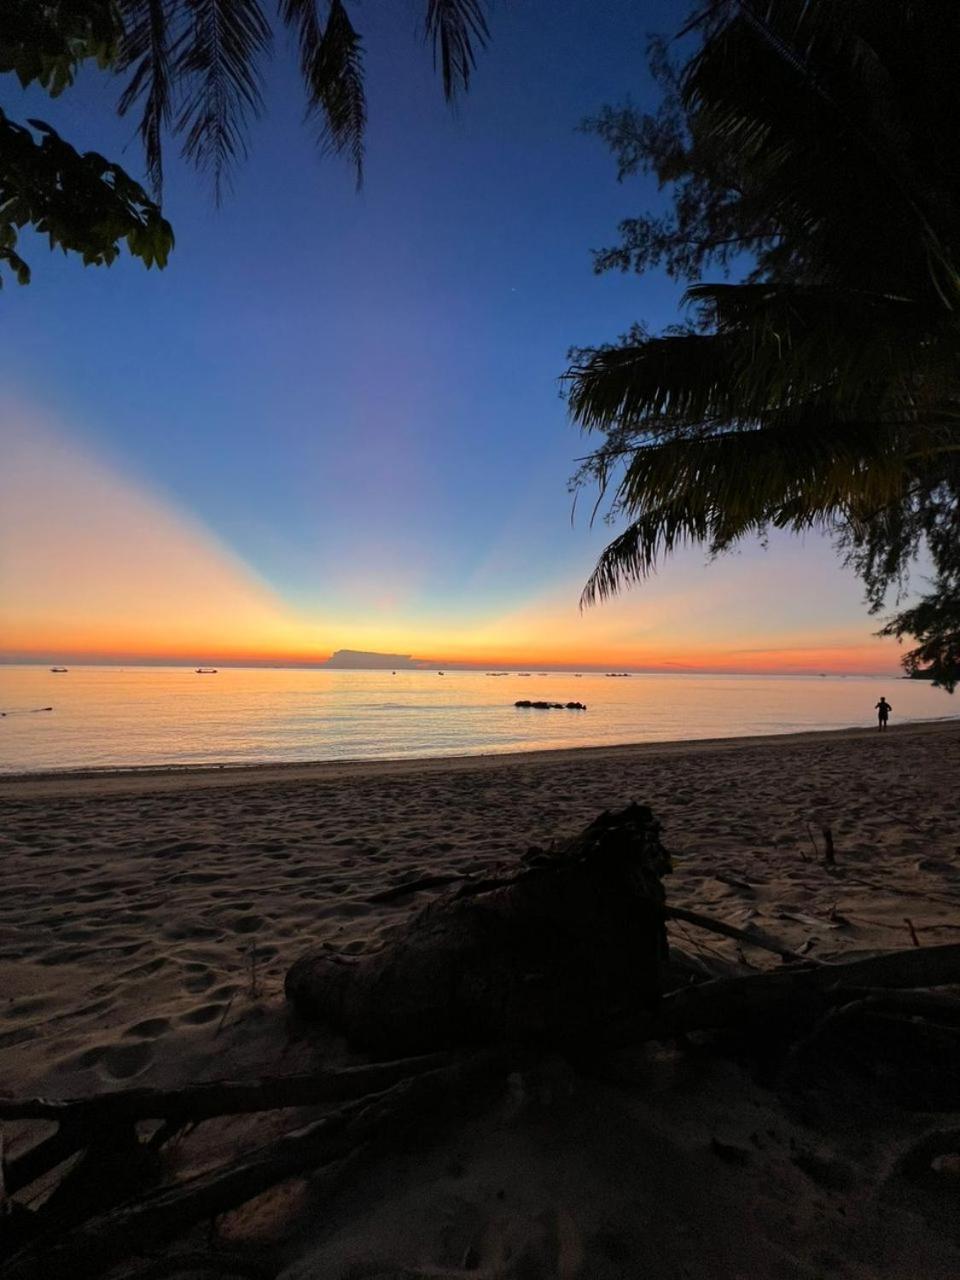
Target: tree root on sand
x: 566, y: 953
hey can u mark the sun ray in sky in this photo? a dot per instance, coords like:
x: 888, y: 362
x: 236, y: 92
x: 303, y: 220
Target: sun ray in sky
x: 96, y: 565
x: 93, y: 563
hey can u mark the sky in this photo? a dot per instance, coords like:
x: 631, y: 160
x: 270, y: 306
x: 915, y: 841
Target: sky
x: 334, y: 421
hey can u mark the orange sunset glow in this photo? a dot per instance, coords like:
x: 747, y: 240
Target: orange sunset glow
x: 479, y: 640
x: 98, y: 568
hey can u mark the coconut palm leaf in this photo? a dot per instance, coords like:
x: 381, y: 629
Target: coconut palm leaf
x: 635, y: 384
x: 773, y: 353
x: 721, y: 488
x: 331, y: 63
x: 336, y: 87
x: 218, y: 71
x: 805, y: 407
x: 823, y: 391
x: 456, y: 28
x: 154, y: 31
x: 302, y: 18
x: 194, y: 66
x: 812, y: 95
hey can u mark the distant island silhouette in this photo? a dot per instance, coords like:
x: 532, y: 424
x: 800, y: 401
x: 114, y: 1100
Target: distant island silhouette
x: 362, y: 658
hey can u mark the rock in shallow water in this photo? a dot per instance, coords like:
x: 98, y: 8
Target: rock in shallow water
x: 552, y: 706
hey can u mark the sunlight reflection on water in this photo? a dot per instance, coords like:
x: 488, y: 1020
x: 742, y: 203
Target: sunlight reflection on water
x: 106, y: 717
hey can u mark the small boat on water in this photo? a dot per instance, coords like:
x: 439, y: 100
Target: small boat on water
x: 206, y: 671
x: 58, y: 670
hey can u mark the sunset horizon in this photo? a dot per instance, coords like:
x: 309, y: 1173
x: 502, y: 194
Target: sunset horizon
x: 101, y: 566
x: 479, y: 640
x: 815, y: 663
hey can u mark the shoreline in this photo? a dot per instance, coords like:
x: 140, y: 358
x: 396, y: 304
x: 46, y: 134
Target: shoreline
x: 112, y: 779
x: 148, y: 921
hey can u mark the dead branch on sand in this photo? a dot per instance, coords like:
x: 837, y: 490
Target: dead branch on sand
x: 753, y: 938
x: 565, y: 953
x: 157, y: 1216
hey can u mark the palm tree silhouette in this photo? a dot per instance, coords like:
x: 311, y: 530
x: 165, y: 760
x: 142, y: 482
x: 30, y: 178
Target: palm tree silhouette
x: 823, y: 390
x: 195, y: 70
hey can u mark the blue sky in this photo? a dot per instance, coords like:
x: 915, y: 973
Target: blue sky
x: 356, y: 394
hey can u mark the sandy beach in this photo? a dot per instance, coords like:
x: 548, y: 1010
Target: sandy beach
x: 147, y: 920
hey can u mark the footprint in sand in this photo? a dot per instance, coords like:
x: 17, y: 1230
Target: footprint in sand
x: 188, y: 931
x: 128, y: 948
x: 125, y: 1060
x: 201, y: 877
x: 247, y: 924
x: 226, y: 990
x: 142, y: 970
x: 84, y: 1059
x: 96, y: 1006
x: 25, y: 1007
x: 150, y: 1029
x: 62, y: 955
x: 23, y: 1035
x: 352, y: 909
x: 198, y: 982
x: 202, y: 1014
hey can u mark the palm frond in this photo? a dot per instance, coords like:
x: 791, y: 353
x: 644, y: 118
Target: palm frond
x: 634, y: 384
x: 634, y: 554
x: 822, y: 391
x: 149, y: 47
x: 774, y: 352
x: 804, y: 407
x: 718, y: 489
x: 457, y: 29
x: 804, y: 93
x: 788, y: 344
x: 218, y: 70
x: 336, y: 87
x: 302, y: 18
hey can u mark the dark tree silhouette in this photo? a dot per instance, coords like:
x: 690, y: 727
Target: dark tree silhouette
x: 808, y: 147
x: 192, y: 70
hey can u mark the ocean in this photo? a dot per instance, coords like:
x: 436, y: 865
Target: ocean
x: 124, y: 717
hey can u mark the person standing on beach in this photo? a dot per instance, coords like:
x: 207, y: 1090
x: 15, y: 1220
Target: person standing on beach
x: 883, y: 712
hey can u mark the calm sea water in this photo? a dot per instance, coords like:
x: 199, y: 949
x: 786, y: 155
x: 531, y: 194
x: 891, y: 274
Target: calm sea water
x: 109, y: 717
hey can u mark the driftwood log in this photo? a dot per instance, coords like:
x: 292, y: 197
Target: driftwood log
x: 906, y: 1042
x: 218, y: 1097
x: 567, y: 951
x: 555, y: 953
x: 797, y: 994
x: 82, y: 1121
x: 782, y: 1006
x: 356, y: 1130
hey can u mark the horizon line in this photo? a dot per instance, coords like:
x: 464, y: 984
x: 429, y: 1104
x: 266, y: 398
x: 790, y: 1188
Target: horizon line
x: 425, y: 666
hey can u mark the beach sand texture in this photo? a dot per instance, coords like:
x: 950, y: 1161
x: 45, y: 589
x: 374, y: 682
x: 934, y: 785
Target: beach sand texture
x: 130, y: 905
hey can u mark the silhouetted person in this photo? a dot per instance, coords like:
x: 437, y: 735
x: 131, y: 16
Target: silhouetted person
x: 883, y: 713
